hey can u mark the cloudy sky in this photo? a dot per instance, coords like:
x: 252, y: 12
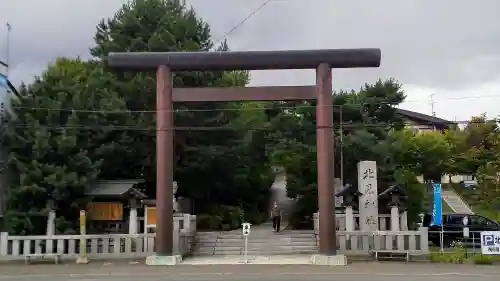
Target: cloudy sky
x: 448, y: 48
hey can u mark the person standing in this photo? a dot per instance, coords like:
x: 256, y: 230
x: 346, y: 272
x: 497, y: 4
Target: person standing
x: 276, y: 217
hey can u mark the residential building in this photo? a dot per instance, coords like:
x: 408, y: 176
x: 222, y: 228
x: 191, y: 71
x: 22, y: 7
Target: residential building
x: 423, y: 122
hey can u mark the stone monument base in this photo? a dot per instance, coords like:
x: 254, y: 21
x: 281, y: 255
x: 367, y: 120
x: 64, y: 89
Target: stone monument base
x: 164, y: 260
x: 335, y: 260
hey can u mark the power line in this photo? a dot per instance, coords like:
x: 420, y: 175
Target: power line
x: 343, y: 126
x: 234, y: 28
x: 346, y: 105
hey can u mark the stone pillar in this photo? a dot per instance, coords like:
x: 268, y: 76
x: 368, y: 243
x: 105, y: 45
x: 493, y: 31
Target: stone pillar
x: 324, y: 147
x: 51, y: 223
x: 395, y: 218
x: 164, y: 170
x: 404, y: 220
x: 368, y: 201
x: 349, y: 219
x: 325, y: 156
x: 132, y: 219
x: 4, y: 237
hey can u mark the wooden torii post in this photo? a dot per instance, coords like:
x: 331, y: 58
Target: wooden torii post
x: 165, y: 63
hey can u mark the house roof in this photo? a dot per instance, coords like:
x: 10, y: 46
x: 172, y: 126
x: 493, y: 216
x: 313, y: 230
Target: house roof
x: 348, y: 189
x: 393, y: 189
x: 115, y: 188
x: 424, y: 118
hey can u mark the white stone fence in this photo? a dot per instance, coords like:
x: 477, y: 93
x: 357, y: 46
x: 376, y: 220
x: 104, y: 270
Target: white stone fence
x: 98, y: 246
x: 363, y: 242
x: 350, y: 222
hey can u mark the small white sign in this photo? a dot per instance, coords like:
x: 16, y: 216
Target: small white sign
x: 466, y: 232
x: 465, y: 220
x: 246, y: 229
x: 490, y: 242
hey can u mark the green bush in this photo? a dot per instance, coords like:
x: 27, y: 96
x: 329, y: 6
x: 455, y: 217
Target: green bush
x: 208, y: 222
x: 253, y: 216
x: 228, y: 217
x: 302, y: 214
x: 452, y: 257
x: 482, y: 259
x: 457, y: 255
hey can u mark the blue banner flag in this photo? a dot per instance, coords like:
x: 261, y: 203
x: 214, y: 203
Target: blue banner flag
x: 437, y: 210
x: 3, y: 81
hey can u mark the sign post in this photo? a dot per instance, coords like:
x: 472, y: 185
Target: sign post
x: 465, y: 221
x: 490, y: 242
x: 246, y: 232
x: 83, y: 258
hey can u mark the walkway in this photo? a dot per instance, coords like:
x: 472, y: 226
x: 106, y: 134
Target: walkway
x: 227, y: 260
x: 355, y: 272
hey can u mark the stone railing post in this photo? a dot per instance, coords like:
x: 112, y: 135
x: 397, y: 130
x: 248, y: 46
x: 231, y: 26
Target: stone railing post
x: 394, y: 218
x: 424, y: 239
x: 186, y: 225
x: 316, y: 223
x: 404, y: 220
x: 193, y: 224
x: 4, y: 238
x: 349, y: 219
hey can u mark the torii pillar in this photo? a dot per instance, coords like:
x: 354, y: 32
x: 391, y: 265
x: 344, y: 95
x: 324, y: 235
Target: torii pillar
x: 166, y: 63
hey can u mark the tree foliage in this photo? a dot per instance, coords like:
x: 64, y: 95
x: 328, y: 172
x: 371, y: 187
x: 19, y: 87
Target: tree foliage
x: 51, y: 149
x: 215, y: 168
x: 79, y: 122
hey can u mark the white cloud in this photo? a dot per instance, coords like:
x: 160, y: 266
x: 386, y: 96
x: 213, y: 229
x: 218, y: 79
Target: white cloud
x: 447, y: 47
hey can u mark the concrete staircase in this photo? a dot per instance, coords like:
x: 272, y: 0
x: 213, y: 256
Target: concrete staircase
x: 455, y: 202
x: 262, y: 241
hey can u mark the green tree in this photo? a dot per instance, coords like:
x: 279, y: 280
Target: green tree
x: 367, y: 117
x: 225, y: 166
x: 425, y: 153
x: 482, y: 141
x: 50, y: 146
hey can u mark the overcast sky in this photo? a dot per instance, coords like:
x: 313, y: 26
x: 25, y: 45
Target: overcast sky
x: 449, y: 48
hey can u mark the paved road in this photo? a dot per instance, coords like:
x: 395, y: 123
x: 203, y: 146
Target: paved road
x: 354, y: 272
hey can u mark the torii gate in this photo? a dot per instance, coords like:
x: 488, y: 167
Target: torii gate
x: 165, y: 63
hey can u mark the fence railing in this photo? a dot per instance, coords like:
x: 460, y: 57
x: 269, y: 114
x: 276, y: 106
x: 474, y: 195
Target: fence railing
x: 359, y: 242
x: 97, y: 246
x: 384, y: 221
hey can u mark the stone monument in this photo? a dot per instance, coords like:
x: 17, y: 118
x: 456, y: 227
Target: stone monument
x: 368, y: 200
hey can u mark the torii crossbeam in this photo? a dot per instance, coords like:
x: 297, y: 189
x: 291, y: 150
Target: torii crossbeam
x: 166, y: 63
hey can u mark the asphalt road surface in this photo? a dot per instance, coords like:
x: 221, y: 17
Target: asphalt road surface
x: 353, y: 272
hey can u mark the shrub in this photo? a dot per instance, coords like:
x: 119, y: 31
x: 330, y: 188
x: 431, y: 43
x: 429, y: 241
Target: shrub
x: 482, y: 259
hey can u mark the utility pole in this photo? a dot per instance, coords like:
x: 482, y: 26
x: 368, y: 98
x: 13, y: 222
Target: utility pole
x: 432, y: 102
x: 431, y: 97
x: 341, y: 146
x: 7, y: 48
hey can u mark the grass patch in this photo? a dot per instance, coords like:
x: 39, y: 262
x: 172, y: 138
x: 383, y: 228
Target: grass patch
x: 458, y: 255
x: 475, y: 201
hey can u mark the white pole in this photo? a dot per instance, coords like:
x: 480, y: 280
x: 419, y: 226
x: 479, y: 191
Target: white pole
x: 246, y: 249
x: 341, y: 147
x: 7, y: 48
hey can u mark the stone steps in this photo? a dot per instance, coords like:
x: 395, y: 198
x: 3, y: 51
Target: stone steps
x: 455, y: 202
x: 259, y: 243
